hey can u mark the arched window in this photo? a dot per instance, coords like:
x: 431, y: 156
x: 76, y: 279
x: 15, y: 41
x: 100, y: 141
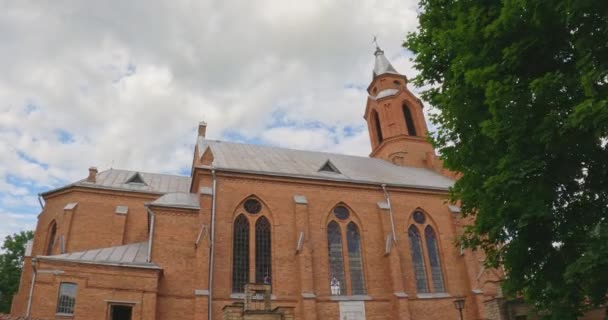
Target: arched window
x: 336, y: 263
x: 344, y: 244
x: 353, y: 241
x: 50, y: 244
x: 240, y: 254
x: 262, y: 251
x: 434, y: 260
x: 418, y: 260
x: 376, y: 124
x: 409, y: 121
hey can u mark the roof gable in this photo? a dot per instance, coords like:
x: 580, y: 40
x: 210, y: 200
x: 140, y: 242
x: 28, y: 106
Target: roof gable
x: 329, y: 167
x: 136, y: 178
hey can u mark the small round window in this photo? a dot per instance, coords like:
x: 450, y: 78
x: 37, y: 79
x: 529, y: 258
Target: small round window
x: 419, y: 216
x: 341, y: 212
x: 252, y: 206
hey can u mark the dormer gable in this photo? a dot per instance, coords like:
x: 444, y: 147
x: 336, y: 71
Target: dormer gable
x: 136, y: 179
x: 329, y: 167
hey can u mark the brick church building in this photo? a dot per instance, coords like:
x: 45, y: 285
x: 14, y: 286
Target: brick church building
x: 259, y: 232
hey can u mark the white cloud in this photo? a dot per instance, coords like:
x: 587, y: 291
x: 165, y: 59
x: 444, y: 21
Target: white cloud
x: 124, y: 83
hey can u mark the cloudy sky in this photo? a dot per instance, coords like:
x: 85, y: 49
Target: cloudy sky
x: 123, y: 84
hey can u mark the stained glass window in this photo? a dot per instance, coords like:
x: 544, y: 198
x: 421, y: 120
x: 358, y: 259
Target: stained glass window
x: 434, y: 260
x: 336, y: 263
x: 341, y: 212
x: 51, y: 241
x: 418, y: 260
x: 67, y: 298
x: 409, y: 121
x: 419, y: 216
x: 240, y: 254
x: 252, y: 206
x: 262, y: 251
x: 353, y: 241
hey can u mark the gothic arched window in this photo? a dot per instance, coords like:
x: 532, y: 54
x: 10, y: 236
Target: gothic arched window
x: 346, y: 276
x: 409, y: 121
x: 418, y: 260
x: 336, y: 263
x: 262, y: 251
x: 353, y: 241
x: 376, y: 124
x: 51, y: 239
x: 240, y: 253
x: 434, y: 260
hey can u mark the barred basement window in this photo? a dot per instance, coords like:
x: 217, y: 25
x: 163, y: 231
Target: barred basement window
x: 336, y: 264
x: 240, y: 254
x: 434, y: 260
x: 262, y: 251
x: 67, y: 298
x: 418, y: 260
x: 353, y: 241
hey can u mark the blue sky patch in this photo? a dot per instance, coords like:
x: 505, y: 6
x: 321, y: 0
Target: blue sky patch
x: 29, y: 159
x: 65, y: 136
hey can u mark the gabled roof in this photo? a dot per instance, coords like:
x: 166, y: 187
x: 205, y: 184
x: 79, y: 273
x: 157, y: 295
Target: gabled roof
x: 178, y: 200
x: 129, y: 255
x: 116, y: 179
x: 231, y: 156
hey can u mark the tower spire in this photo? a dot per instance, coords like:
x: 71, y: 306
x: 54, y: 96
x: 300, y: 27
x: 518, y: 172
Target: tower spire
x: 382, y: 65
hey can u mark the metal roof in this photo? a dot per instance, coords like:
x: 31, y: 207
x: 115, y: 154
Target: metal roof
x: 178, y: 200
x: 118, y: 180
x: 250, y: 158
x: 129, y: 255
x: 382, y: 65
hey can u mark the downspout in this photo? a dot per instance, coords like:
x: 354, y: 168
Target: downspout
x: 212, y: 243
x: 151, y: 233
x: 390, y: 211
x: 40, y: 201
x: 29, y: 298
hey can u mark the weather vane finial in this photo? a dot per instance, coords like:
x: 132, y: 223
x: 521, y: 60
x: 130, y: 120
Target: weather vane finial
x: 375, y: 41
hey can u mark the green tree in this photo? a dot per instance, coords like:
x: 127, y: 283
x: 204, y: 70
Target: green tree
x: 521, y: 90
x: 11, y: 263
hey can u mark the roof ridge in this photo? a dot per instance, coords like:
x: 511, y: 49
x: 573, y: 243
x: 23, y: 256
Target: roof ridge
x: 143, y: 172
x: 293, y: 149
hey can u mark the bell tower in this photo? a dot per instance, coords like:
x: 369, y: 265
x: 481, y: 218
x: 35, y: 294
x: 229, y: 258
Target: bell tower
x: 397, y: 129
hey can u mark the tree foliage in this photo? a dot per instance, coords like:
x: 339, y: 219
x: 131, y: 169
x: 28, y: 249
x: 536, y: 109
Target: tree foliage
x: 11, y: 264
x: 521, y: 88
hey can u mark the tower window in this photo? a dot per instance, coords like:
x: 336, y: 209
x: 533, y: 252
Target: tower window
x: 409, y: 121
x: 51, y: 239
x: 376, y: 124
